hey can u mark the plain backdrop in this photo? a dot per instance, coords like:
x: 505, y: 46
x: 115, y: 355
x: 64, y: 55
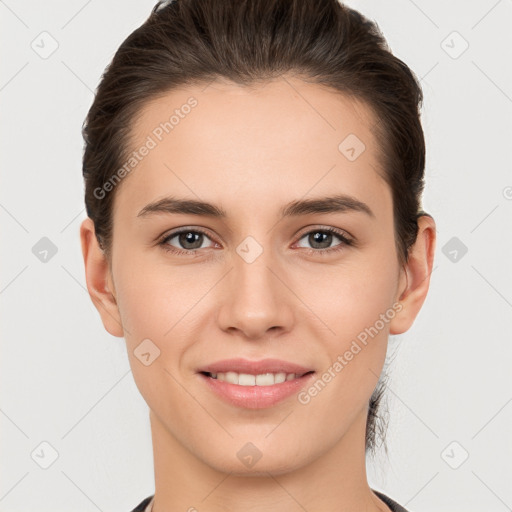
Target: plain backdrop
x: 75, y: 430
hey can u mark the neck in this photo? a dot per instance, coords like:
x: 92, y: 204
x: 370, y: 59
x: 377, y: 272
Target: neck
x: 336, y: 480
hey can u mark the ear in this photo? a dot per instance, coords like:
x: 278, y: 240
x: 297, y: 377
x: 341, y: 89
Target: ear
x: 416, y: 276
x: 99, y: 279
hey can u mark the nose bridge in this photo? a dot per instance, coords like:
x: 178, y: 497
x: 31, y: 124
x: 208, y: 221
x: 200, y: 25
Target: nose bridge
x: 252, y: 269
x: 256, y: 300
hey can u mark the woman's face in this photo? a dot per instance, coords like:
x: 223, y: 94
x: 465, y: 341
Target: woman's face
x: 253, y: 284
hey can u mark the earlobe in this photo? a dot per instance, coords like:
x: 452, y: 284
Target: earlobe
x: 417, y: 275
x: 99, y: 280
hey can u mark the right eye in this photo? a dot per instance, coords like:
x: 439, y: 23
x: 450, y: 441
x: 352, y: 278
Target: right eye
x: 185, y: 237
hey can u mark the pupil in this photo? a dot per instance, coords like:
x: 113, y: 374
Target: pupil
x: 319, y: 237
x: 189, y: 238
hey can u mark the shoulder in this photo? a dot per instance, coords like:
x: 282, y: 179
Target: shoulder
x: 393, y: 505
x: 141, y: 507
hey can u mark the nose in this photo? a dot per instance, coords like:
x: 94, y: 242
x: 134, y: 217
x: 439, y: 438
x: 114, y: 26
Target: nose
x: 254, y: 300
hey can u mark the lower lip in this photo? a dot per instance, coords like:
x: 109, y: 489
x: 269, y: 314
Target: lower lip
x: 256, y: 397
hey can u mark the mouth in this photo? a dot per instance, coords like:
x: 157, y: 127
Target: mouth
x: 261, y: 379
x: 260, y: 391
x: 254, y: 384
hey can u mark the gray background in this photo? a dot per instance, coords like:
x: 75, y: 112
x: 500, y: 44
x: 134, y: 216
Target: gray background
x: 66, y: 383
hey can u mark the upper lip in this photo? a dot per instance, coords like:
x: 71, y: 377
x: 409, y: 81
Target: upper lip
x: 255, y: 367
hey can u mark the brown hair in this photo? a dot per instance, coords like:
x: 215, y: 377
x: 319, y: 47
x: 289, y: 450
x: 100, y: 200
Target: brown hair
x: 247, y: 42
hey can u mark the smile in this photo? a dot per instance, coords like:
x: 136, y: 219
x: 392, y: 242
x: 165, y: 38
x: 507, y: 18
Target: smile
x: 247, y: 379
x: 248, y: 391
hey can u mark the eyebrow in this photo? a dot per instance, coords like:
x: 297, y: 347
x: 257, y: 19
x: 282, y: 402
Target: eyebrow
x: 339, y: 203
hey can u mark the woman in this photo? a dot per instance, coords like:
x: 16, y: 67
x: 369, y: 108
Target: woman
x: 253, y: 178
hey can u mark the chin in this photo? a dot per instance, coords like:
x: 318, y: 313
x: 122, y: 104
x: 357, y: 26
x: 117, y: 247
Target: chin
x: 249, y: 461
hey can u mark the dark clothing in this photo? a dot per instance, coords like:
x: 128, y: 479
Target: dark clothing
x: 142, y: 505
x: 393, y: 505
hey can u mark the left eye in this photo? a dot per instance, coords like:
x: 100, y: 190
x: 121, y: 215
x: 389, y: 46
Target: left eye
x: 324, y: 237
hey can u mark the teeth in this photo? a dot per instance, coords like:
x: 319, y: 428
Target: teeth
x: 245, y: 379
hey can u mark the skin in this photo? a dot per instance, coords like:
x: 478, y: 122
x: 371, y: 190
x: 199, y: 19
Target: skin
x: 250, y: 151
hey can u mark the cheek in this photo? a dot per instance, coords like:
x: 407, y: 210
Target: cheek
x: 358, y: 309
x: 153, y: 310
x: 352, y: 297
x: 358, y: 313
x: 157, y: 308
x: 153, y: 298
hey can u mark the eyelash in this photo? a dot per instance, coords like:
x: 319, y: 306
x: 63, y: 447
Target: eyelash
x: 322, y: 252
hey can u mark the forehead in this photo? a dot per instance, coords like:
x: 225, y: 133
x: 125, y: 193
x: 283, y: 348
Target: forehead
x: 275, y: 141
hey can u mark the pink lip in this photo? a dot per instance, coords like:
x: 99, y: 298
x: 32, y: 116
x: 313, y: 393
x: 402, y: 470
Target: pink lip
x: 255, y: 397
x: 254, y: 367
